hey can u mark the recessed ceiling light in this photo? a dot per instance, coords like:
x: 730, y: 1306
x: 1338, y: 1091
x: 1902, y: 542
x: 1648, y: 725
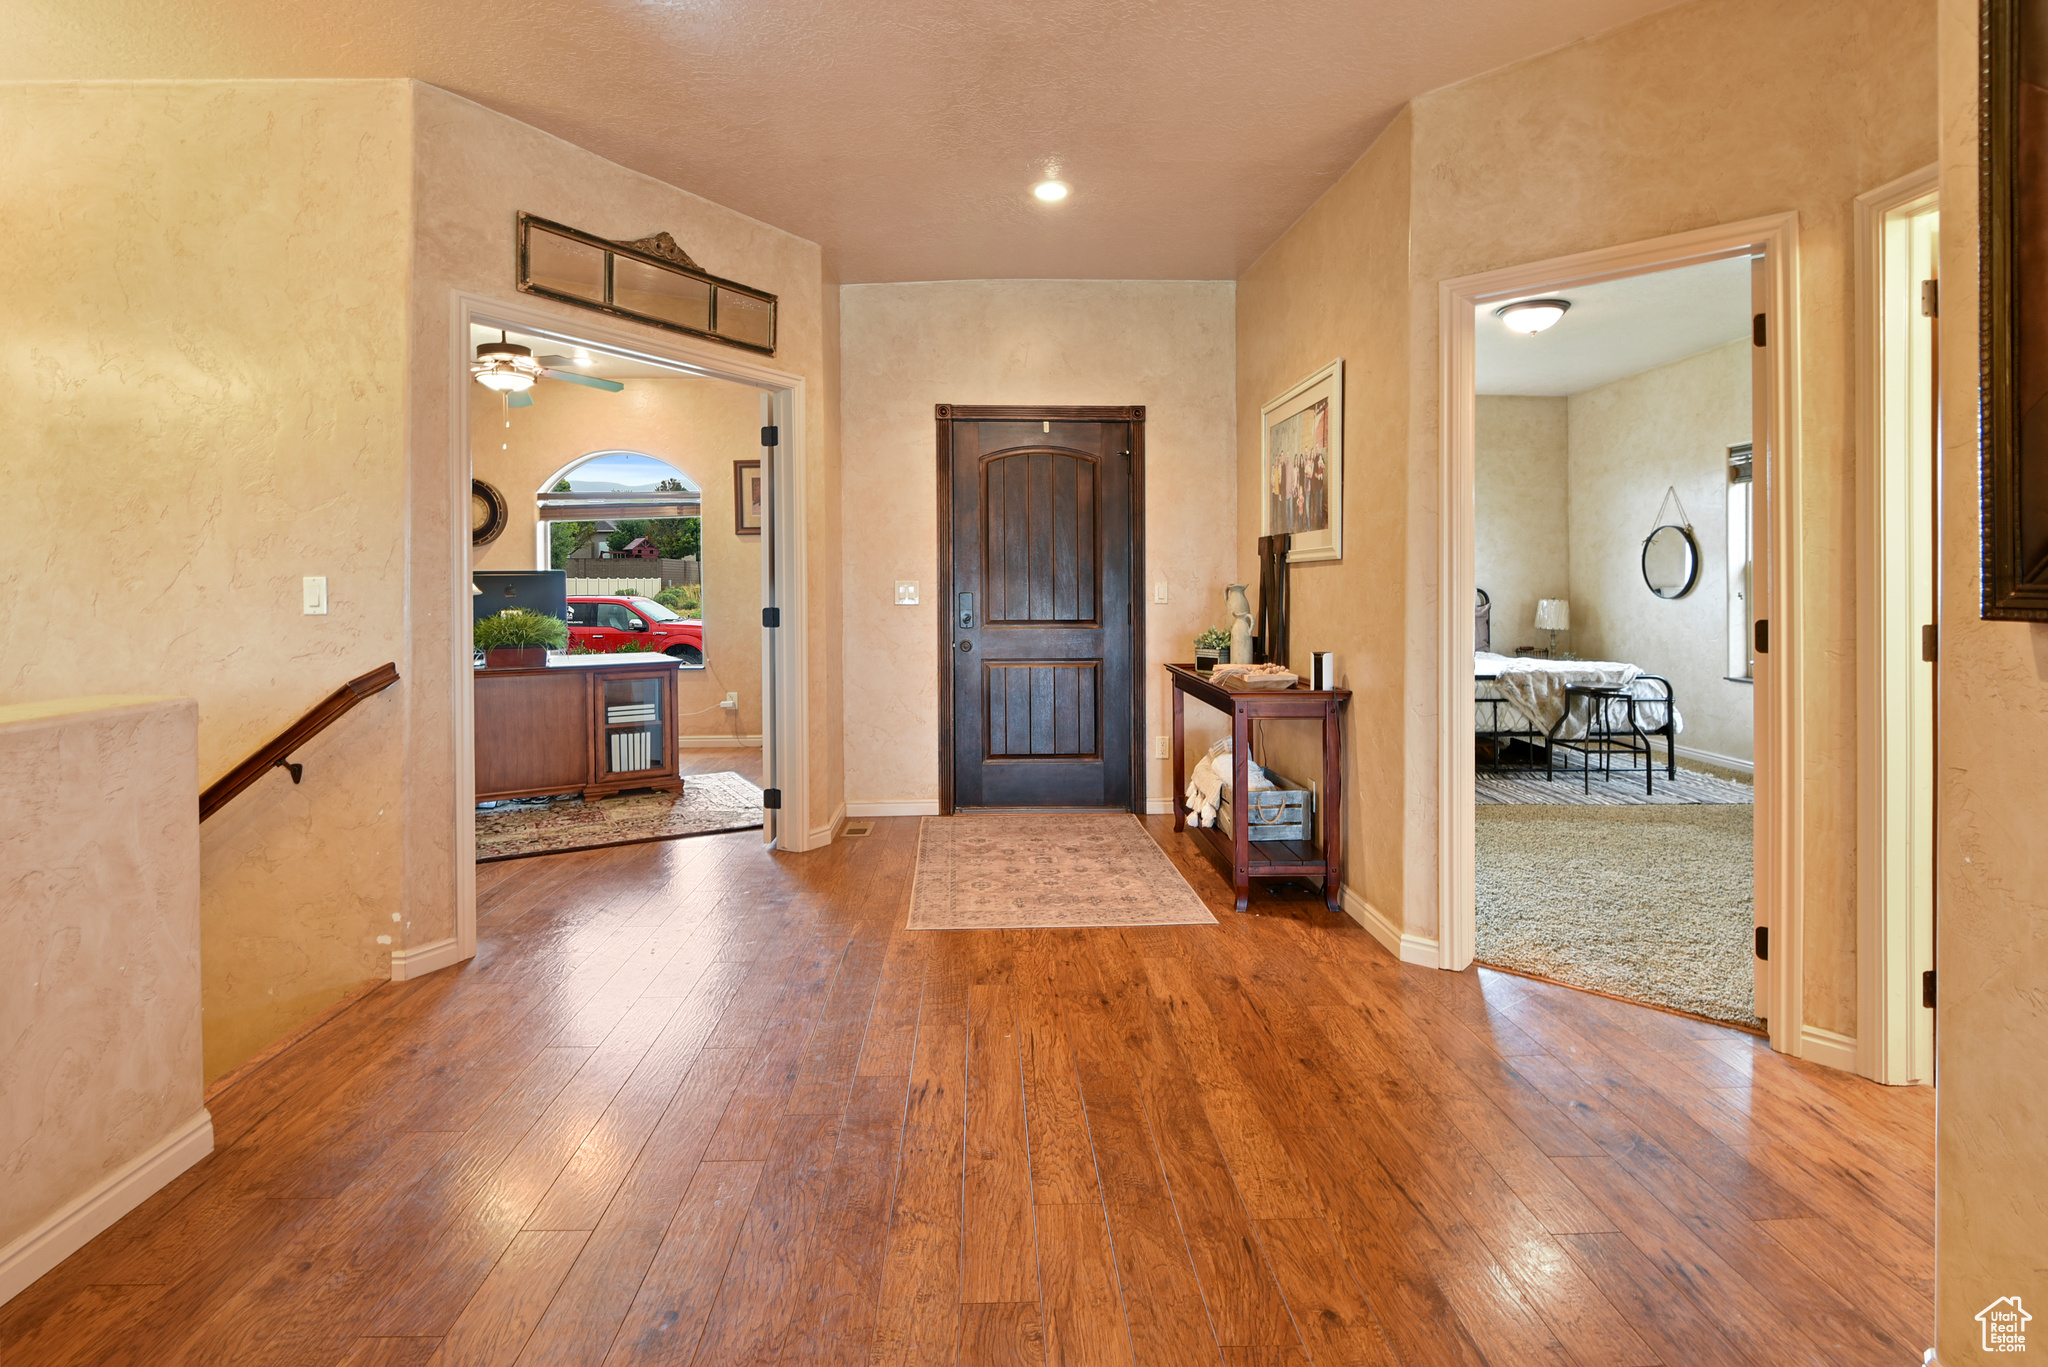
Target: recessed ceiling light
x: 1532, y: 315
x: 1051, y: 191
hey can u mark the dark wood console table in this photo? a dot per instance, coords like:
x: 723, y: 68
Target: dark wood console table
x: 589, y: 724
x: 1247, y: 858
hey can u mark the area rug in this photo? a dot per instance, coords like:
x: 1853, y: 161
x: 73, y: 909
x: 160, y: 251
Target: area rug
x: 1024, y: 872
x: 708, y: 804
x: 1692, y: 787
x: 1649, y: 903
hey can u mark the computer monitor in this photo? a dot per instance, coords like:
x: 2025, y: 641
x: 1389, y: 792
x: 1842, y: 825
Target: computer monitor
x: 535, y: 590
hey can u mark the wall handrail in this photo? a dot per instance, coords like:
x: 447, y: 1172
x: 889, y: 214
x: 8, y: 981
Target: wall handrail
x: 276, y: 754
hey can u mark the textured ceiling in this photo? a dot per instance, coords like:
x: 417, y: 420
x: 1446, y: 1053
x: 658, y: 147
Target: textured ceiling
x: 902, y: 135
x: 1616, y: 328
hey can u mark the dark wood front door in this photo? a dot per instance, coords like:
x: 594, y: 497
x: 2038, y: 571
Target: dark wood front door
x: 1041, y: 516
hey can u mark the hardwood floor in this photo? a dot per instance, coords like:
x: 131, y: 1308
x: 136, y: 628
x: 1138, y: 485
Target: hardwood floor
x: 694, y: 1102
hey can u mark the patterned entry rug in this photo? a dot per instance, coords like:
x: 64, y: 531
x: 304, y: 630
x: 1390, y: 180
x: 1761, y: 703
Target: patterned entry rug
x: 1692, y: 787
x: 1654, y: 904
x: 708, y: 804
x: 1005, y: 872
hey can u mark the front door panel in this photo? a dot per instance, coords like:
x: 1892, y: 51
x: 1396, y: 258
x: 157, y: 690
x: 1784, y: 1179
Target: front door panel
x: 1042, y: 666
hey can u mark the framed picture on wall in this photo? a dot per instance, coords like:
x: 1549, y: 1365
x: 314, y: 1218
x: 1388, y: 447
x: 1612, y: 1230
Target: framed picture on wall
x: 2014, y: 134
x: 746, y: 497
x: 1301, y: 461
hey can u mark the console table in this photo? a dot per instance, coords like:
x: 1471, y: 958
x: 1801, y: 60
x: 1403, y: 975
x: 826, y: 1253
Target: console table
x: 589, y: 724
x: 1247, y: 858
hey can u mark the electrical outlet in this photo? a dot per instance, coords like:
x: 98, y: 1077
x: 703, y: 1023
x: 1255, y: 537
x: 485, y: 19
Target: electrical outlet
x: 1159, y: 592
x: 315, y: 595
x: 732, y: 702
x: 1162, y: 747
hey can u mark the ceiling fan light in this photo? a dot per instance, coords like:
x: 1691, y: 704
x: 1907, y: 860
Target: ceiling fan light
x: 506, y: 367
x: 1532, y: 315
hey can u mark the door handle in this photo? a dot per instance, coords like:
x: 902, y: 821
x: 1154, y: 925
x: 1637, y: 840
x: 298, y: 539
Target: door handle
x: 967, y: 610
x: 967, y: 645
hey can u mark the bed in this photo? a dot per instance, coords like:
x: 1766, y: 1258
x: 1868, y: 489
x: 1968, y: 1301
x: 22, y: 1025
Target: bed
x: 1522, y: 719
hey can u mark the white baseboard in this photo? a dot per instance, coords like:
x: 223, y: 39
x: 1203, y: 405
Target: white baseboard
x: 417, y: 961
x: 1420, y: 950
x: 1158, y: 806
x: 731, y: 742
x: 822, y: 836
x: 1724, y: 761
x: 913, y: 806
x: 1825, y: 1046
x: 72, y: 1227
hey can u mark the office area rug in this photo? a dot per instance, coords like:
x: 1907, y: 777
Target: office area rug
x: 1622, y: 788
x: 1010, y: 872
x: 1654, y: 904
x: 707, y: 805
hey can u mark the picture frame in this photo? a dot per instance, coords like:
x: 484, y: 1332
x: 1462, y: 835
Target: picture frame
x: 749, y: 497
x: 1301, y: 466
x: 2013, y: 137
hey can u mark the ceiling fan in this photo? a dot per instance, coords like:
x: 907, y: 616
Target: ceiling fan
x: 511, y: 369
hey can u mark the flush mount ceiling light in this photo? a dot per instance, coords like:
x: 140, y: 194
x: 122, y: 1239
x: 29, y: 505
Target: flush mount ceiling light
x: 1532, y: 315
x: 505, y: 366
x: 1051, y: 191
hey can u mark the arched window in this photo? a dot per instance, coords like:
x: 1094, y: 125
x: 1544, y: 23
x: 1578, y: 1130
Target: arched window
x: 622, y: 523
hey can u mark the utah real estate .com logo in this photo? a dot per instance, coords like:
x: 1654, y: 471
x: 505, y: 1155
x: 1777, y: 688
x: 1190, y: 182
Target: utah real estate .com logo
x: 2005, y: 1325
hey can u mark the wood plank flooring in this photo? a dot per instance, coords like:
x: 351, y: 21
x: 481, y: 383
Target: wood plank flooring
x: 697, y: 1103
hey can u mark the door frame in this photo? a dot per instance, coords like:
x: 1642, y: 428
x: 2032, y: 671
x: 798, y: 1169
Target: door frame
x: 785, y: 721
x: 1887, y: 650
x: 945, y: 415
x: 1779, y: 735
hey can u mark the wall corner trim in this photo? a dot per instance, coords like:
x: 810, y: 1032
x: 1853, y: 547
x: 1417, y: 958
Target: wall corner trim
x: 416, y: 961
x: 907, y: 806
x: 821, y: 836
x: 1420, y: 950
x: 72, y: 1226
x: 1826, y: 1047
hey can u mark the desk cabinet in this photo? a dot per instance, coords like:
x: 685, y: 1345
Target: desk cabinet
x: 589, y: 724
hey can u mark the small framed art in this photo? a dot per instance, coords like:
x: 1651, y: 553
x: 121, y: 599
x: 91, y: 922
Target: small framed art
x: 746, y: 497
x: 1301, y: 459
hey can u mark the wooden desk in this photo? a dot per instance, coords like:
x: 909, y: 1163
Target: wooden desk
x: 1247, y: 858
x: 548, y: 729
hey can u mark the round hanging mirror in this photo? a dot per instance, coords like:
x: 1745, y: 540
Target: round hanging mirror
x: 1671, y: 561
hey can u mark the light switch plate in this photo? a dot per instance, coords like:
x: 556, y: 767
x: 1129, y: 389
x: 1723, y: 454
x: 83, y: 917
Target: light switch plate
x: 1159, y: 592
x: 906, y: 593
x: 316, y: 595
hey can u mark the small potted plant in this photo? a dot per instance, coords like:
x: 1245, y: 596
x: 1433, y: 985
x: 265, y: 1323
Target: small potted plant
x: 1212, y: 648
x: 518, y: 639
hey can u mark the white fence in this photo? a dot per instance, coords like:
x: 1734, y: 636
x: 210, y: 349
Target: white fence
x: 613, y: 588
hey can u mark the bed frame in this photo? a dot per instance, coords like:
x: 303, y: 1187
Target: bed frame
x: 1504, y: 742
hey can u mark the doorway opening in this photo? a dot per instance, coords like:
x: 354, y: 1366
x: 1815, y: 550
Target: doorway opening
x: 1632, y: 529
x: 1898, y: 421
x: 1613, y: 675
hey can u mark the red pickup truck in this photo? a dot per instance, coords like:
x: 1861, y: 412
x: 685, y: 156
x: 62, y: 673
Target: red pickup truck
x: 608, y: 625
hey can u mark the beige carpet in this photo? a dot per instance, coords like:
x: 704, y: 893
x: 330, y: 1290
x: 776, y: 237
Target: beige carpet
x: 1622, y: 788
x: 1003, y: 872
x: 1649, y: 903
x: 709, y: 803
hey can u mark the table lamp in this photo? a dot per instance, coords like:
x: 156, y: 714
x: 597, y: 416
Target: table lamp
x: 1553, y: 615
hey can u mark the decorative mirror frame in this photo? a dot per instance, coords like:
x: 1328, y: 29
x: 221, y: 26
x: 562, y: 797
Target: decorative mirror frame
x: 1692, y: 542
x: 500, y: 514
x: 659, y: 252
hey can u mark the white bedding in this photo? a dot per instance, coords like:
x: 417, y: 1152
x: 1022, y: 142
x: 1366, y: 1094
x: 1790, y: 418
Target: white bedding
x: 1532, y: 692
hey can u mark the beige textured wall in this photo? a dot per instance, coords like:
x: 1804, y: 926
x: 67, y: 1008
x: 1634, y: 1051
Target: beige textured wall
x: 700, y: 427
x: 1336, y: 285
x: 474, y: 171
x: 1564, y: 153
x: 99, y: 944
x: 1991, y: 1204
x: 1522, y: 519
x: 204, y: 366
x: 1164, y: 344
x: 1631, y: 441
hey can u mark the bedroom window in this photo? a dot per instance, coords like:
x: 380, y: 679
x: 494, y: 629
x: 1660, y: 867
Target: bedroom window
x: 1741, y: 565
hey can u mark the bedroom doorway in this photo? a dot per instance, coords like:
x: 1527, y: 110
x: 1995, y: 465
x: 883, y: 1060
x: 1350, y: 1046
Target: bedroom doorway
x: 1628, y: 494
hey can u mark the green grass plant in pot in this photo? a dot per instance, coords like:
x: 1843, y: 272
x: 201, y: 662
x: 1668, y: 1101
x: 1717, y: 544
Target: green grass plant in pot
x: 519, y: 639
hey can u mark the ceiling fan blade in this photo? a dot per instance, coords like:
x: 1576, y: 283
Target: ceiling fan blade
x: 592, y: 381
x: 554, y: 362
x: 520, y: 400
